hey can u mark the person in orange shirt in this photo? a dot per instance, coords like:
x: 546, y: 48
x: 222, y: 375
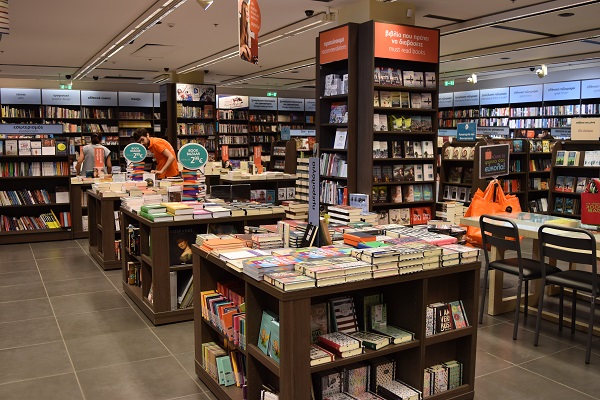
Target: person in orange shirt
x: 166, y: 160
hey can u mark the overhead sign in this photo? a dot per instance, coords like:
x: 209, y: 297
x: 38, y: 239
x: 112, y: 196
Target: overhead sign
x: 493, y: 96
x: 134, y: 152
x: 53, y: 97
x: 249, y: 22
x: 310, y: 105
x: 493, y: 130
x: 493, y: 160
x: 192, y: 156
x: 290, y: 104
x: 562, y: 91
x: 449, y: 83
x: 31, y: 129
x: 333, y: 45
x: 467, y: 98
x: 193, y: 92
x: 404, y: 42
x: 445, y: 100
x: 95, y: 98
x: 263, y: 103
x: 136, y: 99
x: 590, y: 89
x: 525, y: 94
x: 585, y: 129
x: 232, y: 102
x: 466, y: 132
x: 20, y: 96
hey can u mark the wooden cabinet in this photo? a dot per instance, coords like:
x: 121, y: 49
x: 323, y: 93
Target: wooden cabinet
x: 104, y: 230
x: 79, y: 209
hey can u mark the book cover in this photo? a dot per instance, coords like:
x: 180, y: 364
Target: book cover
x: 416, y: 215
x: 404, y: 215
x: 338, y: 113
x: 180, y: 241
x: 416, y: 123
x: 397, y: 196
x: 319, y: 355
x: 387, y: 173
x: 377, y: 173
x: 398, y: 173
x: 404, y: 100
x: 395, y: 76
x: 408, y: 193
x: 328, y: 383
x: 427, y: 192
x: 443, y: 318
x: 430, y: 80
x: 455, y: 174
x: 383, y: 194
x: 377, y: 76
x: 344, y: 314
x: 419, y: 172
x: 395, y: 99
x: 415, y: 100
x: 397, y: 149
x: 426, y: 101
x: 383, y: 371
x: 319, y: 319
x: 560, y: 157
x: 409, y: 172
x: 408, y: 78
x: 265, y: 330
x: 356, y: 379
x: 339, y: 342
x: 428, y: 172
x: 376, y: 99
x: 274, y: 342
x: 385, y: 98
x: 340, y: 139
x: 409, y: 149
x: 458, y: 315
x: 417, y: 192
x: 419, y: 79
x: 384, y: 76
x: 24, y: 147
x: 428, y: 150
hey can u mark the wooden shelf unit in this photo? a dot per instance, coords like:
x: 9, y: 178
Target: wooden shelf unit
x: 155, y: 264
x: 267, y: 184
x: 77, y: 194
x: 102, y: 232
x: 292, y: 376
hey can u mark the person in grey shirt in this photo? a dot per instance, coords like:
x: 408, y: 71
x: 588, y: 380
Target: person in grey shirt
x: 93, y: 155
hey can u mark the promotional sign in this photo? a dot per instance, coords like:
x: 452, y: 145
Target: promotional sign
x: 493, y: 160
x: 445, y: 100
x: 134, y: 152
x: 590, y: 89
x: 493, y: 96
x: 290, y: 104
x: 285, y: 133
x: 493, y: 130
x: 101, y: 99
x: 310, y: 105
x: 468, y: 98
x: 257, y: 150
x: 525, y: 94
x: 403, y: 42
x: 447, y: 132
x: 136, y: 99
x: 192, y: 156
x: 249, y: 22
x: 466, y: 132
x: 224, y: 152
x: 313, y: 191
x: 303, y: 132
x: 561, y: 133
x: 562, y: 91
x: 585, y: 129
x: 191, y: 92
x: 263, y: 103
x: 333, y: 45
x: 20, y: 96
x: 53, y: 97
x: 233, y: 102
x: 31, y: 129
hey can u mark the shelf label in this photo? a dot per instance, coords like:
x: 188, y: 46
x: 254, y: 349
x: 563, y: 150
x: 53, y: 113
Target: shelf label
x: 403, y: 42
x: 232, y: 102
x: 192, y: 156
x: 585, y: 129
x: 468, y: 98
x: 134, y: 99
x: 525, y: 94
x: 445, y: 100
x: 20, y: 96
x: 286, y: 133
x: 313, y: 191
x: 333, y: 45
x: 561, y: 133
x: 493, y: 130
x: 466, y: 132
x: 135, y: 152
x: 303, y: 132
x: 447, y: 132
x: 284, y: 104
x: 263, y: 103
x: 562, y: 91
x: 31, y: 129
x: 493, y: 160
x: 493, y: 96
x: 191, y: 92
x: 310, y: 105
x: 590, y: 89
x: 94, y: 98
x: 51, y: 97
x: 156, y: 99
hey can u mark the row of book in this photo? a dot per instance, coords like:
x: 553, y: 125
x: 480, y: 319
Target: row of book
x: 406, y: 78
x: 35, y: 168
x: 538, y: 205
x: 539, y: 183
x: 401, y: 123
x: 442, y: 377
x: 183, y: 111
x: 338, y: 113
x: 460, y: 174
x: 567, y: 205
x: 100, y: 128
x: 224, y: 309
x: 333, y: 164
x: 591, y: 158
x: 540, y: 164
x: 13, y: 112
x: 567, y: 109
x: 232, y: 114
x: 335, y: 84
x: 268, y: 335
x: 403, y: 149
x: 181, y: 289
x: 495, y: 112
x: 510, y: 185
x: 197, y: 128
x: 109, y: 140
x: 459, y: 153
x: 411, y: 193
x: 457, y: 193
x: 403, y: 173
x: 24, y: 197
x: 402, y: 99
x: 187, y: 210
x: 30, y: 223
x: 442, y: 317
x: 227, y: 368
x: 233, y: 139
x: 28, y: 147
x: 134, y: 273
x: 514, y: 166
x: 333, y: 192
x: 232, y: 128
x: 539, y: 123
x: 571, y: 184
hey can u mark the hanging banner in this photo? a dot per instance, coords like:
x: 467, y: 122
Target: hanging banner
x: 249, y: 22
x: 403, y: 42
x: 333, y: 45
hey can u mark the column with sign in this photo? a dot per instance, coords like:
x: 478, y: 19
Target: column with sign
x: 193, y: 157
x: 135, y: 154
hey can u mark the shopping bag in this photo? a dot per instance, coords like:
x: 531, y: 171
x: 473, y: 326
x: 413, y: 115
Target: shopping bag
x: 590, y: 203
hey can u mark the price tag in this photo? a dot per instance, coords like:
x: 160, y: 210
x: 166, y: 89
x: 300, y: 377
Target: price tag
x: 135, y: 152
x: 192, y: 156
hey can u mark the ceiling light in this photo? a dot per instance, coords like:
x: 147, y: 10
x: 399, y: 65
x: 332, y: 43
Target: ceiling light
x: 205, y: 3
x: 542, y: 71
x: 566, y: 15
x: 472, y: 79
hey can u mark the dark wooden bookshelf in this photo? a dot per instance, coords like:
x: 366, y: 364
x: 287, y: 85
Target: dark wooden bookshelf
x: 102, y: 230
x: 78, y: 209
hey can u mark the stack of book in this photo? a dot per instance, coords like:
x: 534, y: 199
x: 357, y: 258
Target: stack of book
x: 443, y: 317
x: 263, y: 241
x: 344, y: 214
x: 295, y: 210
x: 441, y: 377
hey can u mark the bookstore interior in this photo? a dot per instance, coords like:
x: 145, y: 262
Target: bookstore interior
x: 356, y: 239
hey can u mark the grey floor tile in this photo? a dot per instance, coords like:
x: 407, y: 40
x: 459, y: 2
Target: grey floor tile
x: 83, y: 242
x: 66, y: 271
x: 116, y: 277
x: 34, y: 362
x: 19, y: 278
x: 22, y: 292
x: 75, y: 286
x: 568, y: 367
x: 61, y: 244
x: 497, y: 340
x: 96, y: 323
x: 88, y: 302
x: 179, y: 338
x: 517, y: 383
x: 17, y: 266
x: 59, y: 387
x: 115, y: 348
x: 161, y: 378
x: 14, y: 248
x: 29, y: 332
x: 486, y: 363
x: 17, y: 256
x: 139, y: 312
x: 187, y: 360
x: 197, y: 396
x: 58, y: 252
x: 72, y: 261
x: 25, y: 309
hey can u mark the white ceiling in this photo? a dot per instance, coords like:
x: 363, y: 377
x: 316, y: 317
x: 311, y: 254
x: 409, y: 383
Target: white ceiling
x: 51, y: 39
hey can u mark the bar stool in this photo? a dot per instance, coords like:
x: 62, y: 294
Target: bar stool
x: 503, y: 234
x: 574, y: 246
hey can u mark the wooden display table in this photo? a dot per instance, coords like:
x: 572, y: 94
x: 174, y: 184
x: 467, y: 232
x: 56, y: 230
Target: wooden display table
x: 410, y: 294
x: 102, y: 229
x: 79, y: 208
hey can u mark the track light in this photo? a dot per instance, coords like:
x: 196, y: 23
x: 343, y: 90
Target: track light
x: 205, y: 3
x: 472, y: 79
x: 542, y: 71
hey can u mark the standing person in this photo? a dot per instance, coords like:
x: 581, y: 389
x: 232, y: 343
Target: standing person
x: 166, y: 161
x: 93, y: 157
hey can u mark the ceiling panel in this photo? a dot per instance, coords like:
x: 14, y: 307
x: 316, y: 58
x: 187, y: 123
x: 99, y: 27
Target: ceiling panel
x: 484, y: 38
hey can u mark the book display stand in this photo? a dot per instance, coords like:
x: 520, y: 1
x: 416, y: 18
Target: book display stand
x: 104, y: 230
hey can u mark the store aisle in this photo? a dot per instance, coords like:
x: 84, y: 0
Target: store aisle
x: 67, y: 331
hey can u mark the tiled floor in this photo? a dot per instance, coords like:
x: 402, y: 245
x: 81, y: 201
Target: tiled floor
x: 67, y: 331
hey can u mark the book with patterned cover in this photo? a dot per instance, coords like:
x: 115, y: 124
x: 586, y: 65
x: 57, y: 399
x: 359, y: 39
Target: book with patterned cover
x: 319, y: 355
x: 339, y: 341
x: 327, y: 383
x: 319, y: 317
x: 383, y: 371
x: 427, y: 383
x: 356, y: 379
x: 458, y: 315
x: 440, y: 382
x: 429, y: 321
x: 344, y: 314
x: 454, y: 375
x: 398, y: 390
x: 367, y: 396
x: 338, y: 396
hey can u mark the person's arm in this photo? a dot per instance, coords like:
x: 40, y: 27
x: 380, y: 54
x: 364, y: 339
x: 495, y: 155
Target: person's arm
x: 108, y: 164
x: 79, y: 162
x: 170, y: 160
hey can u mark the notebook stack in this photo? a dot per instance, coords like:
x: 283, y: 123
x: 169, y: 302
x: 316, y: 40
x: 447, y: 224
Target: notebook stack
x: 266, y: 241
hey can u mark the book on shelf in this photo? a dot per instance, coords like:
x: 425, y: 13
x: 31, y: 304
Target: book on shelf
x: 408, y: 78
x: 430, y: 80
x: 376, y: 98
x: 338, y: 113
x: 385, y: 98
x: 319, y: 355
x: 343, y: 314
x: 370, y: 340
x: 415, y: 100
x: 340, y: 139
x: 265, y: 330
x: 338, y: 341
x: 384, y: 76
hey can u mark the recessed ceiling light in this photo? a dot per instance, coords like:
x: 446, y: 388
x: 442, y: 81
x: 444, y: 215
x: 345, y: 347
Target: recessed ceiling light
x: 505, y: 58
x: 567, y: 14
